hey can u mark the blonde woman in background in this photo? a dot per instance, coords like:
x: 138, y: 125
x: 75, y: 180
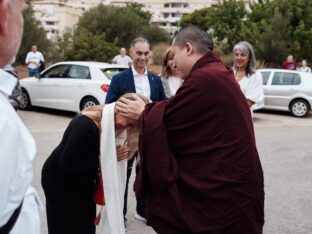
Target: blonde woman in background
x: 170, y: 76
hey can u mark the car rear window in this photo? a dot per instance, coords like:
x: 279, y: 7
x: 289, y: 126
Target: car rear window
x: 286, y: 78
x: 110, y: 72
x: 79, y: 72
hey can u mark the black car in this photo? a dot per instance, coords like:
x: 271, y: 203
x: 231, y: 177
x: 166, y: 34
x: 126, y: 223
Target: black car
x: 16, y: 97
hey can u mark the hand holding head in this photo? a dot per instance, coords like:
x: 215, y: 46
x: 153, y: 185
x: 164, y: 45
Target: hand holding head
x: 131, y: 107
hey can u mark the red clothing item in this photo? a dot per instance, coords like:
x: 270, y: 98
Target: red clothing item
x: 289, y: 65
x: 199, y: 162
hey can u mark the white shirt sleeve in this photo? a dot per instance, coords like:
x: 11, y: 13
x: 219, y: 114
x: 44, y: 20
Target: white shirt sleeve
x: 254, y: 91
x: 7, y: 166
x: 17, y: 150
x: 41, y: 57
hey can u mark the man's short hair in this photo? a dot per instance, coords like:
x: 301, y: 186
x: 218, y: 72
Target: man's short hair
x: 196, y: 36
x: 140, y: 39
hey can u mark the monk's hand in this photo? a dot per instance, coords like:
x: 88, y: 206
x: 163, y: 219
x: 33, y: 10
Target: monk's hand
x: 123, y: 152
x: 130, y: 108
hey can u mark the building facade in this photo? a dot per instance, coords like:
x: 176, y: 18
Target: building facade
x: 58, y: 16
x: 168, y: 13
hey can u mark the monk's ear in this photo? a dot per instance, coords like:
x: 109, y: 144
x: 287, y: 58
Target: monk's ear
x: 189, y: 48
x: 4, y: 16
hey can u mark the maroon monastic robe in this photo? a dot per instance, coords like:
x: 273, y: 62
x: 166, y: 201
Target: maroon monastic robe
x: 199, y: 162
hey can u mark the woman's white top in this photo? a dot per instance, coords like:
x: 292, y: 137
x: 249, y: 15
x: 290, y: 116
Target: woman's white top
x: 304, y: 69
x: 252, y: 88
x: 171, y: 85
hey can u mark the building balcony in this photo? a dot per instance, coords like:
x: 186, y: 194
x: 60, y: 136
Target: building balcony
x: 168, y: 20
x: 176, y: 10
x: 170, y: 29
x: 51, y: 27
x: 49, y: 19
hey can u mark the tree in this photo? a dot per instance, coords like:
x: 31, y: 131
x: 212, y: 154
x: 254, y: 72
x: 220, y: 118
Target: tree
x: 275, y: 28
x: 89, y: 47
x: 61, y: 46
x: 155, y: 35
x: 33, y: 34
x: 114, y: 21
x: 284, y: 27
x: 137, y: 8
x: 113, y: 26
x: 200, y: 17
x: 225, y: 20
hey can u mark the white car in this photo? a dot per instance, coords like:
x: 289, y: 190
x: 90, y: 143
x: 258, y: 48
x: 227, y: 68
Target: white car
x: 69, y: 86
x: 287, y: 90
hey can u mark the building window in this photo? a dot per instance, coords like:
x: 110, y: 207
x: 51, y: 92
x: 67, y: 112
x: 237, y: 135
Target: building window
x: 176, y: 5
x: 176, y: 15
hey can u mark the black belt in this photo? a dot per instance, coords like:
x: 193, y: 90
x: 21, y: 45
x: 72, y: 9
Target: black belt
x: 9, y: 225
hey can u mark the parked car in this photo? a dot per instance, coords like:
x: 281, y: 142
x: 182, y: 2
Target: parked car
x: 16, y: 97
x: 69, y: 86
x: 287, y: 90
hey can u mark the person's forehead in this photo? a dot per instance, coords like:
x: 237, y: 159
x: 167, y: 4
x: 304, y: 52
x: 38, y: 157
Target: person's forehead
x: 239, y: 51
x: 141, y: 46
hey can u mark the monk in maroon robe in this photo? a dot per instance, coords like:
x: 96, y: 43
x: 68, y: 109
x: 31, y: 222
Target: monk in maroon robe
x: 199, y: 162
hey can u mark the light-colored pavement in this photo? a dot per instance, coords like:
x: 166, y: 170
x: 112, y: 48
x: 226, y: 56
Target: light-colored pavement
x: 285, y: 149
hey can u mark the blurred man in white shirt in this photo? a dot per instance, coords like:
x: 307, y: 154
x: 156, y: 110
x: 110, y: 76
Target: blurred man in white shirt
x: 34, y: 59
x: 122, y: 58
x: 17, y: 147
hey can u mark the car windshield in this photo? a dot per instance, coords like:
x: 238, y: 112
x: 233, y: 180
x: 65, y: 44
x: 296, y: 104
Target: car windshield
x: 110, y: 72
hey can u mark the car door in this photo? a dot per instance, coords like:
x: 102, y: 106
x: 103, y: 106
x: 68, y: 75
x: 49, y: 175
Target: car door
x: 73, y: 86
x: 45, y: 91
x: 282, y: 89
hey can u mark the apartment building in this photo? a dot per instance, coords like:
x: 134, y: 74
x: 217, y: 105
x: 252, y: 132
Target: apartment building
x: 168, y: 13
x: 57, y: 16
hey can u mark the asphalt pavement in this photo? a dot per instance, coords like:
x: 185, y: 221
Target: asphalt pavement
x: 285, y: 149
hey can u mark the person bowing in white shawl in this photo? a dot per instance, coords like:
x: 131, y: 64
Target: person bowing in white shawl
x: 93, y: 140
x: 114, y: 172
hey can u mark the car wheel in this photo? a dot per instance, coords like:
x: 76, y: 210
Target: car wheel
x: 299, y: 108
x: 89, y: 101
x: 25, y: 103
